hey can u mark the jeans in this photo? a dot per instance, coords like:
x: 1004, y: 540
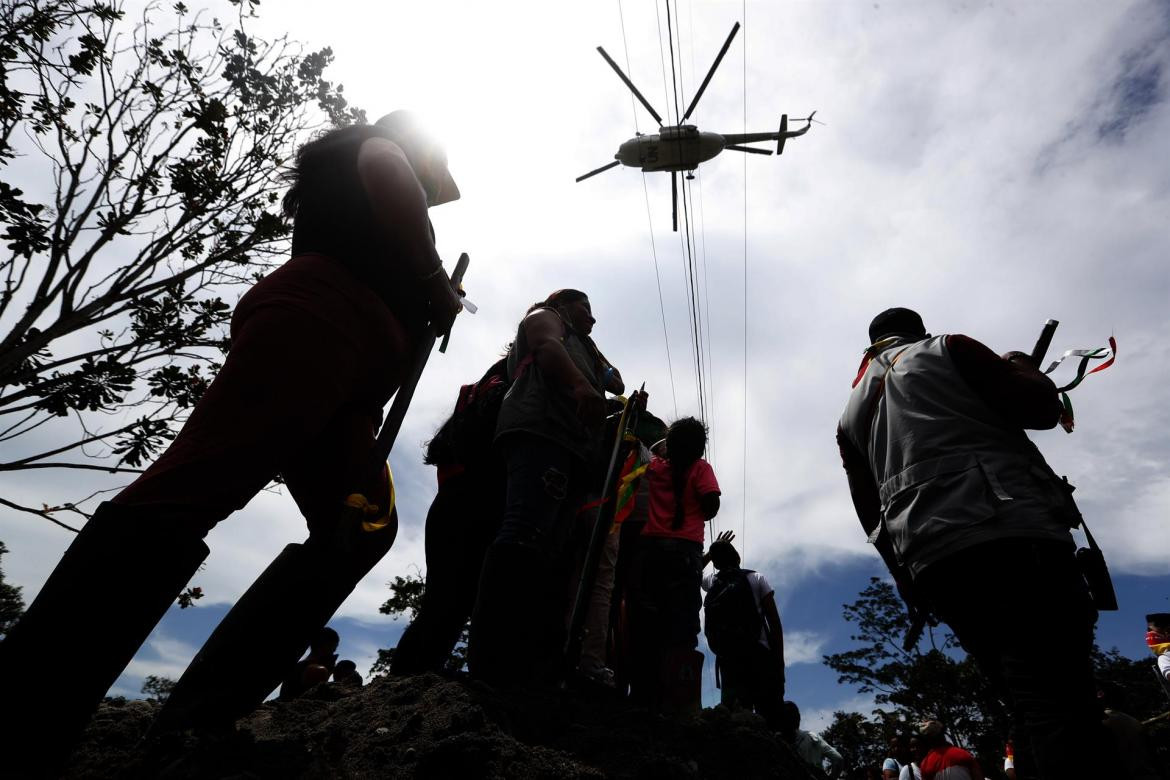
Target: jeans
x: 1021, y: 609
x: 753, y: 679
x: 546, y: 485
x: 664, y: 608
x: 517, y: 630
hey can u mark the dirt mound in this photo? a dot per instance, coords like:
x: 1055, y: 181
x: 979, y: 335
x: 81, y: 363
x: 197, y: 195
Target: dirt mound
x: 432, y: 727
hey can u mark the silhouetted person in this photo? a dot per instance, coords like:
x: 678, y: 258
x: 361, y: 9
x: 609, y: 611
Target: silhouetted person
x: 948, y: 486
x: 1137, y: 760
x: 314, y: 668
x: 902, y: 759
x: 594, y: 661
x: 744, y: 631
x: 317, y: 347
x: 810, y: 747
x: 463, y: 520
x: 346, y: 673
x: 549, y: 433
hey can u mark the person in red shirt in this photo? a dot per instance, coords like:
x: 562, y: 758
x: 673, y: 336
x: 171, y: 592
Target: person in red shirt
x: 940, y: 760
x: 317, y: 348
x: 664, y: 620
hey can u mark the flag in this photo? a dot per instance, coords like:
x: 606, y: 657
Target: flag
x: 634, y: 467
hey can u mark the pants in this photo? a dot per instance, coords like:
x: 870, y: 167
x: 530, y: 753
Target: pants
x: 546, y: 486
x: 295, y: 397
x: 664, y: 608
x: 753, y: 679
x: 597, y: 617
x: 518, y: 629
x: 463, y: 520
x: 1021, y: 609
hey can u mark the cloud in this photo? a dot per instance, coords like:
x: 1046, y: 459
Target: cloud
x: 803, y: 647
x: 161, y: 656
x: 819, y: 719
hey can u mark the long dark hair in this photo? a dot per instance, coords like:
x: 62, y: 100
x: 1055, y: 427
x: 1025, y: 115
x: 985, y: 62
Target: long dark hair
x: 331, y: 215
x: 465, y: 438
x: 686, y: 438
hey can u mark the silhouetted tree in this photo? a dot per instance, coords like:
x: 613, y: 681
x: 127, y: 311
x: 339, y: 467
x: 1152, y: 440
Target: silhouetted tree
x: 140, y: 178
x: 934, y: 679
x: 862, y: 742
x: 11, y: 604
x: 158, y: 688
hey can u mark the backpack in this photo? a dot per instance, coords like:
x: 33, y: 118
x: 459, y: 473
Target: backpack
x: 467, y: 435
x: 733, y: 621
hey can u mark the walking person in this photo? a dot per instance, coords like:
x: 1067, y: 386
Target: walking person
x: 946, y: 484
x: 318, y: 346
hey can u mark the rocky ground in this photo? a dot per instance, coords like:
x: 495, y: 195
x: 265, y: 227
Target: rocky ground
x: 432, y: 727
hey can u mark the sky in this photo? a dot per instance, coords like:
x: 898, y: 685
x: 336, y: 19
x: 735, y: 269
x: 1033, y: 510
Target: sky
x: 991, y: 165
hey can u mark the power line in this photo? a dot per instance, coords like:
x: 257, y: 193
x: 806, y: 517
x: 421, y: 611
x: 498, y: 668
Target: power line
x: 743, y: 517
x: 650, y: 224
x: 699, y: 265
x: 703, y: 265
x: 687, y: 242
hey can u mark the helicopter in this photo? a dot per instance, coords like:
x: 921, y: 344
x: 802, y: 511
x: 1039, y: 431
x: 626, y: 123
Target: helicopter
x: 682, y: 147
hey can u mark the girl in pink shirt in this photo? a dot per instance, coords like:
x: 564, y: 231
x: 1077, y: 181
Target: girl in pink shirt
x: 664, y: 615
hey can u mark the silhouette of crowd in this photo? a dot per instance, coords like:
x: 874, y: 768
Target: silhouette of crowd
x: 571, y: 528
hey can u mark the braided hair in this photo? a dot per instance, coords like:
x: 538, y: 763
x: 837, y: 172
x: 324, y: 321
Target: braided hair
x: 685, y: 441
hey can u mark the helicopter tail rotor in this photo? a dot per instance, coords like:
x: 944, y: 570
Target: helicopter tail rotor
x: 783, y: 134
x: 596, y: 171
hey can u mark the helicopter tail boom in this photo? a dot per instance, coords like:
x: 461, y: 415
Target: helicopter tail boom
x: 782, y: 135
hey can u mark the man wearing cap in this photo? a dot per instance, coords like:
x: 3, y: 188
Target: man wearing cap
x: 947, y: 485
x: 317, y: 348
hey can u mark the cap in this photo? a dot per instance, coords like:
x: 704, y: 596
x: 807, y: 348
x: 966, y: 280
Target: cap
x: 896, y: 321
x: 408, y: 132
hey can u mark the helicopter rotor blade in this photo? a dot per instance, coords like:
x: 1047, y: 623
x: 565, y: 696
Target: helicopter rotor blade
x: 749, y: 149
x: 710, y: 73
x: 596, y: 171
x: 630, y: 84
x: 674, y: 200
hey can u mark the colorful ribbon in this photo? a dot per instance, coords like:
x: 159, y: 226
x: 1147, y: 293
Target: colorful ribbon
x: 1067, y: 421
x: 1086, y: 355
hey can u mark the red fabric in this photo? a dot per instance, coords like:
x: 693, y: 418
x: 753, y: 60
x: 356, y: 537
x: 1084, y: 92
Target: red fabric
x: 315, y: 355
x: 700, y: 482
x: 940, y: 759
